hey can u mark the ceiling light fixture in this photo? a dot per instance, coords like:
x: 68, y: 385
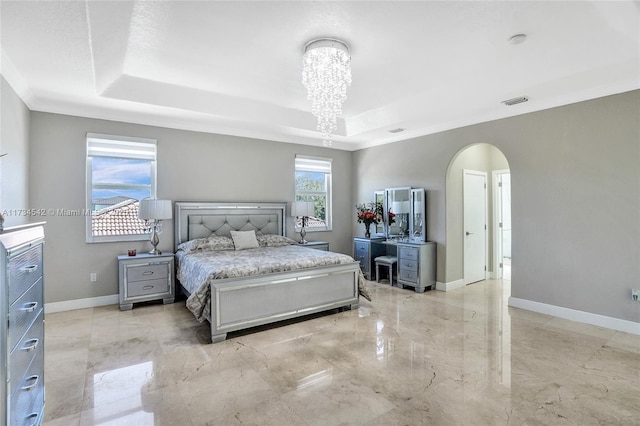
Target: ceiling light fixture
x: 326, y: 73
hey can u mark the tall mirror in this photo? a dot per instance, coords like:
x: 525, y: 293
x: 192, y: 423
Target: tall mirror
x: 417, y: 225
x: 397, y: 210
x: 378, y: 198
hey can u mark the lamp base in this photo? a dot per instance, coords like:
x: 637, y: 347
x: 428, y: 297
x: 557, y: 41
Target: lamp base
x: 303, y: 233
x: 155, y: 241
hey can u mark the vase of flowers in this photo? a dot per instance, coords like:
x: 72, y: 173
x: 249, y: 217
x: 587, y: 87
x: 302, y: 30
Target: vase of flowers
x: 367, y: 214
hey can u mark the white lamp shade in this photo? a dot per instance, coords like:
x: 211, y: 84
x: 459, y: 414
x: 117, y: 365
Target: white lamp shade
x: 155, y: 209
x: 302, y: 208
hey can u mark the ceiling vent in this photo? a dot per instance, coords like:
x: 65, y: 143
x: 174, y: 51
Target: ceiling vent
x: 514, y: 101
x: 398, y: 130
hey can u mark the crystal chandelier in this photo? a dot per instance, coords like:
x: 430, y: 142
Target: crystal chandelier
x: 326, y: 73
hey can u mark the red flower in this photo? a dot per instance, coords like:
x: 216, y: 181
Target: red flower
x: 366, y: 215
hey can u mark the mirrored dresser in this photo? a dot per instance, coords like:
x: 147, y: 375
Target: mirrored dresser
x: 22, y: 345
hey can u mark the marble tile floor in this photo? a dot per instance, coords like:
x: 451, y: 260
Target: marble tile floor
x: 439, y: 358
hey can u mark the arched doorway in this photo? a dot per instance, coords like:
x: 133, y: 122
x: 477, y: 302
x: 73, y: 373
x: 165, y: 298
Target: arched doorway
x: 466, y: 169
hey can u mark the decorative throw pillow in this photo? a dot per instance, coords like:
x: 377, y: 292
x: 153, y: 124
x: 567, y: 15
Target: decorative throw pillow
x: 244, y: 239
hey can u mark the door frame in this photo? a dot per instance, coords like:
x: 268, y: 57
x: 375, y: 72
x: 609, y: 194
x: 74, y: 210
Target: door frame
x: 498, y: 271
x: 486, y: 216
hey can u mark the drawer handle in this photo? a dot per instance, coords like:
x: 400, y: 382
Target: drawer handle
x: 29, y: 269
x: 148, y: 287
x: 147, y: 273
x: 32, y: 385
x: 410, y: 265
x: 30, y: 345
x: 32, y: 416
x: 29, y: 307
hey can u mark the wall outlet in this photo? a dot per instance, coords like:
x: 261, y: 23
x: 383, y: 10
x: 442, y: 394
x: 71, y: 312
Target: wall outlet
x: 93, y: 277
x: 635, y: 295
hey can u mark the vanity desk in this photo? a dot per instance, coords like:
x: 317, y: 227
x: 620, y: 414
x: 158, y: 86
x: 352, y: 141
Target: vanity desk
x: 416, y: 260
x: 402, y: 234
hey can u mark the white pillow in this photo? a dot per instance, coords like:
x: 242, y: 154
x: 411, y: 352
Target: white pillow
x: 244, y: 239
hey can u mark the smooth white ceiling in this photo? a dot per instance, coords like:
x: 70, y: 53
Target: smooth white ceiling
x: 235, y: 67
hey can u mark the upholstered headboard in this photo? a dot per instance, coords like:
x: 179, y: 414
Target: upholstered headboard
x: 202, y: 219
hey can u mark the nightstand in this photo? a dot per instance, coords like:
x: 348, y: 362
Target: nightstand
x: 145, y: 277
x: 318, y: 245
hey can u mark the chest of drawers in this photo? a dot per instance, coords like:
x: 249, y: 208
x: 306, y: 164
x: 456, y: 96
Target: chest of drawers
x: 22, y: 352
x: 417, y: 265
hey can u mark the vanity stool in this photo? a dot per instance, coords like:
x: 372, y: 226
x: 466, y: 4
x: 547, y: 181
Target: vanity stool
x: 387, y: 261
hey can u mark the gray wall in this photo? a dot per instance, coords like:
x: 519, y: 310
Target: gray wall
x: 191, y: 166
x: 14, y: 167
x: 575, y: 174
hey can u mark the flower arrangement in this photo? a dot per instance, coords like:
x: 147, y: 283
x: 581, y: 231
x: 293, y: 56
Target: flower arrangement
x: 367, y: 214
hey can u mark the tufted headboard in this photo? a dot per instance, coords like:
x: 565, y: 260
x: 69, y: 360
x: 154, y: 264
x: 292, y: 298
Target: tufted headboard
x: 202, y: 219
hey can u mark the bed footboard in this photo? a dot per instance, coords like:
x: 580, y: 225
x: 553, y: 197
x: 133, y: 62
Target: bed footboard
x: 240, y: 304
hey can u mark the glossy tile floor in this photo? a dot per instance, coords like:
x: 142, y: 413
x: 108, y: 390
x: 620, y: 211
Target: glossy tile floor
x: 442, y: 358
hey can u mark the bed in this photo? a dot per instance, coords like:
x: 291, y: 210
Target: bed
x: 256, y: 293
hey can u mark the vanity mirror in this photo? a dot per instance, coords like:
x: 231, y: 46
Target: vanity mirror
x: 417, y: 225
x: 378, y: 198
x: 397, y: 210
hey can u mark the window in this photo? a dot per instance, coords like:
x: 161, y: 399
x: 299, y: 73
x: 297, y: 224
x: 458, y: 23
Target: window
x: 313, y: 183
x: 120, y: 172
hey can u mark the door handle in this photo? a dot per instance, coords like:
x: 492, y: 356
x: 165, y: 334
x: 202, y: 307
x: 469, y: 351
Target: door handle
x: 468, y: 233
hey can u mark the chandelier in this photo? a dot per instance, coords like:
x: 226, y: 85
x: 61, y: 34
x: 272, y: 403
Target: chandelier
x: 326, y: 73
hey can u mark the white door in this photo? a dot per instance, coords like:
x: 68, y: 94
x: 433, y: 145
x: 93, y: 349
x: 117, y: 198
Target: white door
x: 475, y: 225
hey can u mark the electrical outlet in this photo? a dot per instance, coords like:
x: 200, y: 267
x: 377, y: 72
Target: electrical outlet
x: 93, y: 277
x: 635, y: 295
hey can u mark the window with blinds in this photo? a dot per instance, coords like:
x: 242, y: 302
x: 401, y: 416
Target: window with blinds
x: 313, y: 183
x: 120, y: 172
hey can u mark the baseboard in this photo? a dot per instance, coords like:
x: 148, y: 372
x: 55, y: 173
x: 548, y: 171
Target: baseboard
x: 450, y: 285
x: 575, y: 315
x: 91, y: 302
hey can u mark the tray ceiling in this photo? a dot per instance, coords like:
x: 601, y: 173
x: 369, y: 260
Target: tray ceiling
x: 235, y: 67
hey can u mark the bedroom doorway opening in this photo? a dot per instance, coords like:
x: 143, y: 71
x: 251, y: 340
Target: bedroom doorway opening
x: 478, y: 164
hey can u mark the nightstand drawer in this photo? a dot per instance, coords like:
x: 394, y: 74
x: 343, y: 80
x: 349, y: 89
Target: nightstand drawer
x: 24, y: 270
x: 144, y: 288
x: 148, y: 272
